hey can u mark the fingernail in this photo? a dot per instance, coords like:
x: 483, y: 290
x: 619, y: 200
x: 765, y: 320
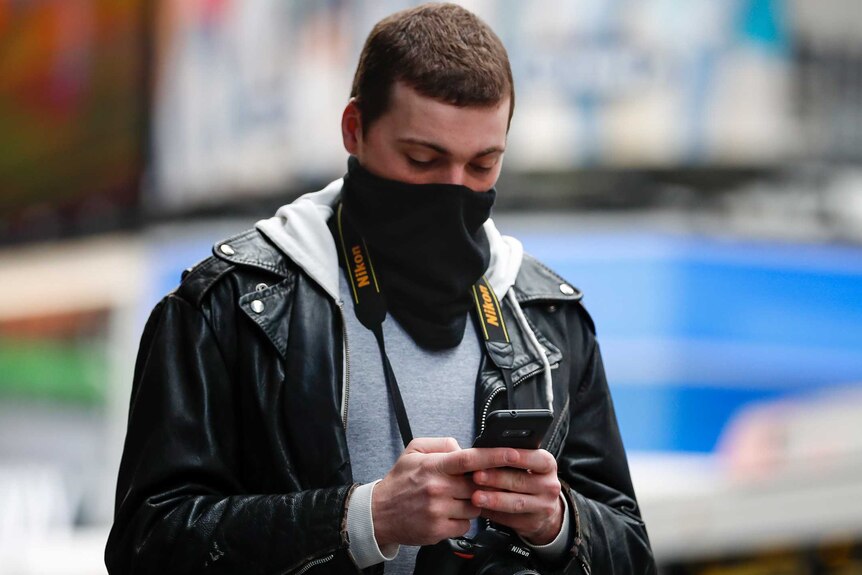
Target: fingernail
x: 481, y: 500
x: 478, y: 477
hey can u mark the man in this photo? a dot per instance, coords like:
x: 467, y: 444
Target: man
x: 269, y: 419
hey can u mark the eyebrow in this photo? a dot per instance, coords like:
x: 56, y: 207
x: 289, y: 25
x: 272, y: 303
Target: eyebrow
x: 440, y: 149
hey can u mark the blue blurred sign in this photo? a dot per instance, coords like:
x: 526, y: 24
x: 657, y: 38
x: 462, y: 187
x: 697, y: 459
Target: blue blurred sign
x: 693, y: 328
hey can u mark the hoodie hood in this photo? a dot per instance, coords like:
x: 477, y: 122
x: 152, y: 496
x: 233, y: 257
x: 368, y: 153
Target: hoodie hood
x: 300, y: 230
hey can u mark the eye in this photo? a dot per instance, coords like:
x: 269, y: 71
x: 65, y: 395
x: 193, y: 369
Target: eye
x: 481, y: 169
x: 420, y: 163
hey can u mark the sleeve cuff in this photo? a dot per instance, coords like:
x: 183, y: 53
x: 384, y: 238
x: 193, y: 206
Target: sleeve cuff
x: 557, y: 548
x: 363, y: 547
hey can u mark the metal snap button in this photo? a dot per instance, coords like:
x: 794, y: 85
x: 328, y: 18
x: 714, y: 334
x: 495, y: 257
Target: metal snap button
x: 261, y: 287
x: 567, y: 289
x: 257, y: 306
x: 226, y: 250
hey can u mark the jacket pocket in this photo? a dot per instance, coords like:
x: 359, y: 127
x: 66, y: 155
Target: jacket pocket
x: 270, y: 308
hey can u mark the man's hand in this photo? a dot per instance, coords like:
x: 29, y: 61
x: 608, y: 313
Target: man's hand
x: 427, y: 497
x: 525, y: 496
x: 424, y: 498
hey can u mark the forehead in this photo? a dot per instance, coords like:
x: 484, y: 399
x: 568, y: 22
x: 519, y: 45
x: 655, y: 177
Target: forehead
x: 460, y: 129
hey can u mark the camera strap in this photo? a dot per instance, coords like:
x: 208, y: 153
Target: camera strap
x: 370, y: 307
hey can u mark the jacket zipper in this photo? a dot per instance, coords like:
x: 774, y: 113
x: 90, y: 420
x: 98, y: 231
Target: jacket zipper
x: 329, y: 557
x: 584, y: 565
x: 488, y: 406
x: 315, y: 563
x: 497, y: 391
x: 346, y: 366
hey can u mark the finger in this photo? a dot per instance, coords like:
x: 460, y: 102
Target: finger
x: 452, y: 487
x: 464, y: 509
x: 516, y: 480
x: 462, y: 487
x: 506, y: 502
x: 474, y: 459
x: 433, y: 445
x: 538, y: 461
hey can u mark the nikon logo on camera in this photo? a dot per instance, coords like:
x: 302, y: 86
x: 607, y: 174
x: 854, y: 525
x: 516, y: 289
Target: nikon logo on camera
x: 519, y: 550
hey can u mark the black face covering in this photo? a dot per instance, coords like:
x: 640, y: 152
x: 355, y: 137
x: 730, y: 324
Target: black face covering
x: 427, y: 247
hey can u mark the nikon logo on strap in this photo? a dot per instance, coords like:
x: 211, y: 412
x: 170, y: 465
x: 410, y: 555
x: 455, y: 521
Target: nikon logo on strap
x: 360, y: 272
x: 359, y: 269
x: 488, y: 310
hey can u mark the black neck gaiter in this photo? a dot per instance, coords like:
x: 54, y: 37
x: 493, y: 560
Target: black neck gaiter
x: 427, y: 246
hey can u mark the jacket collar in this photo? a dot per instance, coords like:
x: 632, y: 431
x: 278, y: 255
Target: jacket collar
x: 538, y: 283
x: 250, y: 249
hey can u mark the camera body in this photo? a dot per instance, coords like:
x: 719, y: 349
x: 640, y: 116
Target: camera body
x: 493, y: 551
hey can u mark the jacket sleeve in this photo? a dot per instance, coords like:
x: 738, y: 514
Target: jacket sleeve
x: 610, y: 536
x: 180, y: 505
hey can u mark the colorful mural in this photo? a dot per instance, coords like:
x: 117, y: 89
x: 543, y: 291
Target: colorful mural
x: 72, y: 107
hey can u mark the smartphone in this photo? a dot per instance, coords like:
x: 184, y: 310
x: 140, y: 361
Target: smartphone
x: 518, y: 428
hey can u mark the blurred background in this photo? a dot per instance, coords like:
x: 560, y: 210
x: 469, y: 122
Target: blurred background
x: 694, y: 166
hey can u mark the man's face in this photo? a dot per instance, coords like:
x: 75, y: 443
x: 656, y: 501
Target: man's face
x: 420, y: 140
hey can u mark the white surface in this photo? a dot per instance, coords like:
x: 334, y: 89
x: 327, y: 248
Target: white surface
x: 788, y: 474
x: 730, y: 519
x: 60, y: 552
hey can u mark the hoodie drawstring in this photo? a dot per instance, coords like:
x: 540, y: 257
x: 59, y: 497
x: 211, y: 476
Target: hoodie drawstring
x: 537, y: 347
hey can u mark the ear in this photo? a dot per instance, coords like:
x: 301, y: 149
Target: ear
x: 351, y: 128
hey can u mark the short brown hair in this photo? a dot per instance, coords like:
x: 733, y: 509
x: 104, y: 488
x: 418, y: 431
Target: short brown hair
x: 442, y: 51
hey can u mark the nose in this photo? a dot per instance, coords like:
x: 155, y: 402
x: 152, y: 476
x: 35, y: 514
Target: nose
x: 454, y: 174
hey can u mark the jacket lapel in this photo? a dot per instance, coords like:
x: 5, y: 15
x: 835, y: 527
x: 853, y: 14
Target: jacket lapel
x: 298, y: 318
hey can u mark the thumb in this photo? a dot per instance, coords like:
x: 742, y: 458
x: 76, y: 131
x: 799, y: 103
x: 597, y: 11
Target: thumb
x: 432, y: 445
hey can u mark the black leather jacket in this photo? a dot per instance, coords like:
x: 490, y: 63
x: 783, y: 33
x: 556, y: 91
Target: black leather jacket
x: 236, y: 457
